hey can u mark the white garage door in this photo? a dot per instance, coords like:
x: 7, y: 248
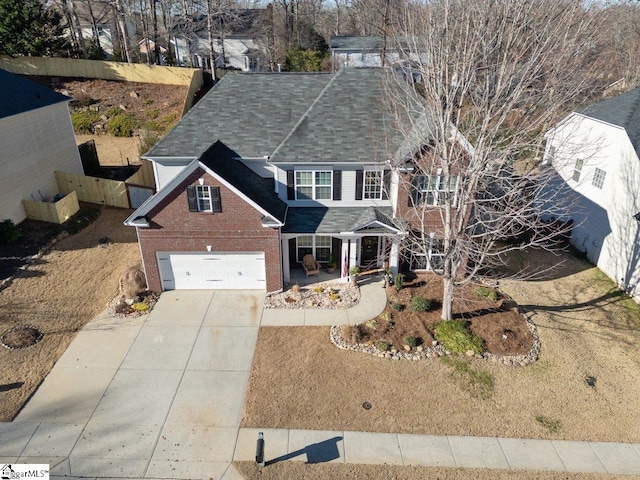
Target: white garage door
x: 215, y: 270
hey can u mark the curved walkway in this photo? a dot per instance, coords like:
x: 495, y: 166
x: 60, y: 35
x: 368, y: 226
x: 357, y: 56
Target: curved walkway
x: 161, y: 397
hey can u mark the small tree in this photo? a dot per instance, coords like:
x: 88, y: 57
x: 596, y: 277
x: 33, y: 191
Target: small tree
x: 27, y: 28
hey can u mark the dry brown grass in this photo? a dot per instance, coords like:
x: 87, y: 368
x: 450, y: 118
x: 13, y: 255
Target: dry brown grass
x: 59, y: 295
x: 336, y: 471
x: 299, y: 380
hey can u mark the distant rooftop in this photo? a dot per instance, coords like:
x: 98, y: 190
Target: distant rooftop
x: 355, y: 43
x: 19, y: 95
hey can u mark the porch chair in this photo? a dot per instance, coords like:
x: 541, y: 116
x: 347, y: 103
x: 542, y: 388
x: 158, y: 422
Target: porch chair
x: 311, y: 267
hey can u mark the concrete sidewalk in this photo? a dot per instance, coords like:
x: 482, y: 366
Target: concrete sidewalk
x: 372, y: 302
x: 314, y: 446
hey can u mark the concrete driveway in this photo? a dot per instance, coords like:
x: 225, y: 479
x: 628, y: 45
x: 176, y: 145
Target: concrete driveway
x: 157, y: 397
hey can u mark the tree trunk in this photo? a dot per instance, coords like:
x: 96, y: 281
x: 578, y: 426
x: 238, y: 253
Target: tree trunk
x: 76, y: 25
x: 94, y: 26
x: 447, y: 299
x: 212, y: 55
x: 156, y: 45
x: 124, y: 38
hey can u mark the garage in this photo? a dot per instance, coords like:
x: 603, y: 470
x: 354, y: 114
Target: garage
x: 215, y: 270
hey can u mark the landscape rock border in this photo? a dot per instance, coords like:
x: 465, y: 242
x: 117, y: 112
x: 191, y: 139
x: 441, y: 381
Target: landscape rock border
x: 13, y: 329
x: 34, y: 258
x: 437, y: 350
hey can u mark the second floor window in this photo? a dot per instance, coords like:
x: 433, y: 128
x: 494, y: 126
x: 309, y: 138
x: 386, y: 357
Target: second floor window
x: 434, y: 189
x: 204, y: 198
x: 311, y: 185
x: 373, y: 185
x: 577, y: 170
x: 598, y: 178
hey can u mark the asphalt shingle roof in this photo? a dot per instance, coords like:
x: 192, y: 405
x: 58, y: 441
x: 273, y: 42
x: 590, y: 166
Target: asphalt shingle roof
x: 335, y: 219
x: 622, y: 110
x: 250, y: 113
x: 261, y: 190
x: 297, y: 118
x: 355, y: 43
x: 20, y: 95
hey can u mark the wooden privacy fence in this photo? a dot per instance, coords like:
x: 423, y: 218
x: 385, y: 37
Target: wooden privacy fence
x: 54, y: 212
x: 128, y: 194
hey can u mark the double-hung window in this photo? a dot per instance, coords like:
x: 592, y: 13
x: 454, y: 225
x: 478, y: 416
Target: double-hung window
x: 577, y: 170
x: 318, y: 246
x: 372, y: 185
x: 313, y: 185
x: 204, y: 198
x: 432, y: 258
x: 435, y: 189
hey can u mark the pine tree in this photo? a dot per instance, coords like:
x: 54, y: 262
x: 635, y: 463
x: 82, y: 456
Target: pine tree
x: 27, y: 28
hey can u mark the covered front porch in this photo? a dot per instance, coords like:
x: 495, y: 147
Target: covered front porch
x: 339, y: 239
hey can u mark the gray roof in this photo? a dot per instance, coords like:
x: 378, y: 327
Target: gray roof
x: 297, y: 118
x: 622, y: 110
x: 250, y: 113
x: 336, y: 219
x: 349, y: 122
x: 261, y: 190
x: 355, y: 43
x: 20, y: 95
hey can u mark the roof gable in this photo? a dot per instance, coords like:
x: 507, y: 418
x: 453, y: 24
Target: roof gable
x: 622, y: 110
x: 20, y: 95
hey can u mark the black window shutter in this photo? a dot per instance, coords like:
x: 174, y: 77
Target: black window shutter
x: 359, y: 177
x: 386, y: 184
x: 412, y: 198
x: 291, y: 191
x: 337, y: 184
x: 191, y: 198
x: 216, y: 204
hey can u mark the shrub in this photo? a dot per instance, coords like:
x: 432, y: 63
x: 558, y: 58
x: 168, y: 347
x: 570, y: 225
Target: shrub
x: 147, y: 141
x: 354, y: 271
x: 420, y: 304
x: 486, y: 292
x: 398, y: 282
x: 411, y: 341
x: 169, y: 119
x: 140, y: 307
x: 152, y: 114
x: 318, y: 289
x: 122, y: 125
x: 9, y: 232
x: 372, y: 324
x: 398, y: 307
x: 386, y: 316
x: 352, y: 333
x: 334, y: 296
x: 83, y: 120
x: 456, y: 337
x: 382, y: 346
x: 553, y: 425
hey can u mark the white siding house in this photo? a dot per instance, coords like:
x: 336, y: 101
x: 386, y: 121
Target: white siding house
x: 595, y: 152
x: 36, y: 139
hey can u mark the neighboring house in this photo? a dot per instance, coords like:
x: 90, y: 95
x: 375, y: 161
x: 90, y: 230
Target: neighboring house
x: 239, y: 40
x: 268, y: 168
x: 596, y: 154
x: 36, y: 139
x: 348, y: 51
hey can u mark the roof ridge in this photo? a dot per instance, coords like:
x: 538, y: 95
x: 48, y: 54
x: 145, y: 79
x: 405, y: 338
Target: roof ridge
x: 307, y: 113
x: 633, y: 109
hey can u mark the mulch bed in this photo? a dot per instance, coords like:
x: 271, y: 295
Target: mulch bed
x: 20, y: 337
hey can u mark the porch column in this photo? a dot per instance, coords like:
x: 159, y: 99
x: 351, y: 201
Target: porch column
x: 343, y: 261
x: 285, y: 260
x: 394, y: 255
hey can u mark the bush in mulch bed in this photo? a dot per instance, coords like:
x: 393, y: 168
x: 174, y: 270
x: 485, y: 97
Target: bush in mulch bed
x: 142, y: 304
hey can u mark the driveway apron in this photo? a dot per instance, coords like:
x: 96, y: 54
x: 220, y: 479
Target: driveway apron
x: 157, y: 396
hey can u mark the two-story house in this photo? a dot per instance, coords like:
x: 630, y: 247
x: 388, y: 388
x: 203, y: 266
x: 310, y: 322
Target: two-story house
x: 268, y: 168
x: 596, y: 152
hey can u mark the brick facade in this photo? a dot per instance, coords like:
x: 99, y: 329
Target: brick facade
x: 238, y: 228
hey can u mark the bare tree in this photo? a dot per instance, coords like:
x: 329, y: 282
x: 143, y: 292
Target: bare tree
x: 491, y: 77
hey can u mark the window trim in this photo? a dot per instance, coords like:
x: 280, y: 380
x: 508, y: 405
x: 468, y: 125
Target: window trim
x: 430, y: 254
x: 380, y: 184
x: 314, y: 186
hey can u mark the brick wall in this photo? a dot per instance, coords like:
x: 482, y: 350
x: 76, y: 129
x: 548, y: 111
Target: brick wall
x: 236, y: 229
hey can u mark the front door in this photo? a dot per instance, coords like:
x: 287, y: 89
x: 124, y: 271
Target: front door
x: 369, y: 251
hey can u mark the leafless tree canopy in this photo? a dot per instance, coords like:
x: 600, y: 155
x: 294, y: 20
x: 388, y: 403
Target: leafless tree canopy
x: 494, y: 75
